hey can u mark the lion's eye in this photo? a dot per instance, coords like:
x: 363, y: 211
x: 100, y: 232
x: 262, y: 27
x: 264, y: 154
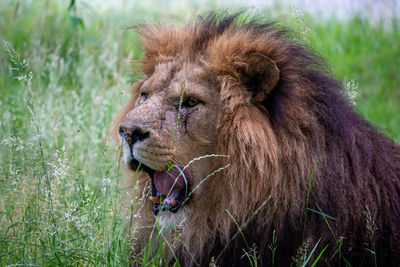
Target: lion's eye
x: 144, y: 96
x: 190, y: 102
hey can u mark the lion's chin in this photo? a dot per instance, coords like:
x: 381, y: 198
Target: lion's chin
x: 173, y: 221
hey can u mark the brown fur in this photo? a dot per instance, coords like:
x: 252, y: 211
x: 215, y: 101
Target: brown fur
x: 274, y: 143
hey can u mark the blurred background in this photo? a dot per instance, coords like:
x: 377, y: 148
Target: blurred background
x: 65, y: 69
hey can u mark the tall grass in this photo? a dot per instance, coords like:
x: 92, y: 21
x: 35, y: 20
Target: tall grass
x: 60, y: 185
x: 63, y: 75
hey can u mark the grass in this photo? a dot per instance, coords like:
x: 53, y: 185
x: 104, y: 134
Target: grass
x: 63, y: 75
x: 369, y: 55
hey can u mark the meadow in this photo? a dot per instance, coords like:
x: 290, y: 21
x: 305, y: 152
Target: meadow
x: 66, y: 68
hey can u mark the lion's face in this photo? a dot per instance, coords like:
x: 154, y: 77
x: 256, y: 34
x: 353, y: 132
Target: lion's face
x: 172, y: 121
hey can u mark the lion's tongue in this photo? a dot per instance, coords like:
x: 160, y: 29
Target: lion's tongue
x: 173, y: 181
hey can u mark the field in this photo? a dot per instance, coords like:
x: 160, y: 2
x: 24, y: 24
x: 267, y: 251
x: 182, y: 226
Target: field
x: 64, y: 72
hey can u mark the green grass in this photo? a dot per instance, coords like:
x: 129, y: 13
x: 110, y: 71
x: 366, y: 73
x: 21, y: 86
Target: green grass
x: 60, y: 182
x: 370, y: 55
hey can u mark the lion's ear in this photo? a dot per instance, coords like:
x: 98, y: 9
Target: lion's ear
x: 259, y: 74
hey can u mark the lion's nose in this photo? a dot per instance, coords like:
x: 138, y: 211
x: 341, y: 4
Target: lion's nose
x: 133, y: 134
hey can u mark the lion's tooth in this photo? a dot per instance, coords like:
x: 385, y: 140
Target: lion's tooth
x: 155, y: 200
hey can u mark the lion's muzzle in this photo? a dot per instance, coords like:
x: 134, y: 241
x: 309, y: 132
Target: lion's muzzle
x: 170, y: 186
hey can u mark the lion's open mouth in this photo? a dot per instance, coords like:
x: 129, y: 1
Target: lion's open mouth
x: 170, y: 188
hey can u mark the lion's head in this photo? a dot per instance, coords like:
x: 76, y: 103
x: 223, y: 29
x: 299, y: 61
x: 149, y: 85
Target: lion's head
x: 173, y: 121
x: 229, y: 122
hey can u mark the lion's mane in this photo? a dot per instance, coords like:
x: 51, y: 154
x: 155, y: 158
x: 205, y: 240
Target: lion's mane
x: 303, y: 133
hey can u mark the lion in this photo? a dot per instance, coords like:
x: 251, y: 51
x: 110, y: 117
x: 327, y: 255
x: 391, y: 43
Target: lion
x: 248, y: 151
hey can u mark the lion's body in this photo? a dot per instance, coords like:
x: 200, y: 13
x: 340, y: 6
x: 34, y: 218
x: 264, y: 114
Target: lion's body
x: 301, y: 131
